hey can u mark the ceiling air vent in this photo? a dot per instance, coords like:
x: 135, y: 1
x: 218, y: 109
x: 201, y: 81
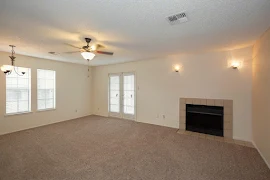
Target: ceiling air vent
x: 177, y: 18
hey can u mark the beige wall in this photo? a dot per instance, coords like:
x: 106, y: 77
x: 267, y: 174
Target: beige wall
x: 73, y: 92
x: 261, y: 95
x: 202, y: 76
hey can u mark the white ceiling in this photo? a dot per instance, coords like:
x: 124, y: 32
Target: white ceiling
x: 132, y: 29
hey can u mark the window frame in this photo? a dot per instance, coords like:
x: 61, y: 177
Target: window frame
x: 54, y: 99
x: 29, y: 93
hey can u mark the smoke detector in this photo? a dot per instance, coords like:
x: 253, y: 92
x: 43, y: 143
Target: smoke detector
x: 178, y: 18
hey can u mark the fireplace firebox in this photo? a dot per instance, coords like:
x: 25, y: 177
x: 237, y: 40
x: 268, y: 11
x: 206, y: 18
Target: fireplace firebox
x: 205, y: 119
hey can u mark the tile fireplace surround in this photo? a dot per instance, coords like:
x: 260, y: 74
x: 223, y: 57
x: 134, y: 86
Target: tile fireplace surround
x: 226, y: 104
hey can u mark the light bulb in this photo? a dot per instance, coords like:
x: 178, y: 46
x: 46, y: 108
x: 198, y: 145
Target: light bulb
x: 235, y: 64
x: 5, y: 68
x: 176, y: 68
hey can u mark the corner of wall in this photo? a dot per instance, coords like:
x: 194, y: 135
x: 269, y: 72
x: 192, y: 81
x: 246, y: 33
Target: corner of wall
x: 260, y: 96
x: 254, y: 144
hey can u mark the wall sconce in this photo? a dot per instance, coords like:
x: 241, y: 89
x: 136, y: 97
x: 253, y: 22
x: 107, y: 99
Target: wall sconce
x: 235, y: 64
x: 176, y: 68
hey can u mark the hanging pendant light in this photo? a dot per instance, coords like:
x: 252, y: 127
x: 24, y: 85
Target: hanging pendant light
x: 7, y: 69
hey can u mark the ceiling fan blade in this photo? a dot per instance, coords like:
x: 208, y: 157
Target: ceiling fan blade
x: 72, y: 46
x: 98, y: 46
x: 103, y: 52
x: 70, y: 52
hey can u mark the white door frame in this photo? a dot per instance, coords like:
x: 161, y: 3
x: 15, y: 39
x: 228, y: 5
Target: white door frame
x: 121, y: 113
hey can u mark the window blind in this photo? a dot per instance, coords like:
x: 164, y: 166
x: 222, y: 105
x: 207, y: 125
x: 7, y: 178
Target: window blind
x: 45, y: 89
x: 18, y: 92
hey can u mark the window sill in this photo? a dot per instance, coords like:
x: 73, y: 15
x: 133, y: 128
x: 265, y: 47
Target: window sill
x: 42, y: 110
x: 19, y: 113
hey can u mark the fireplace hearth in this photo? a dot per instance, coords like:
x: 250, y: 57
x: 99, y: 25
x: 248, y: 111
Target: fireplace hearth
x: 205, y: 119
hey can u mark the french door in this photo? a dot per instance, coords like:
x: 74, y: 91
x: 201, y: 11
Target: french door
x: 122, y: 95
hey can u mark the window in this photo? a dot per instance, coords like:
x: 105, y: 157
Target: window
x: 18, y: 92
x: 45, y: 89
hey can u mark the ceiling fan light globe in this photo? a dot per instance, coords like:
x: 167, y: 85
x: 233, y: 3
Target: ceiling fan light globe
x: 88, y: 55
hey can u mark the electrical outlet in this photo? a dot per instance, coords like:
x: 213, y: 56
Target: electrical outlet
x: 76, y: 110
x: 163, y: 116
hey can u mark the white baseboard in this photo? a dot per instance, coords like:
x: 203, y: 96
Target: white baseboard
x: 241, y: 139
x: 254, y: 144
x: 101, y: 114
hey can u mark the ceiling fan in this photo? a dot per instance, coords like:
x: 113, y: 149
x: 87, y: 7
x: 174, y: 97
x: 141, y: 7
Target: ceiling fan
x: 88, y: 52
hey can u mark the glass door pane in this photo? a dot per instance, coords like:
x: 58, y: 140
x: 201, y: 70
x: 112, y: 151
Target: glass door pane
x: 129, y: 95
x: 114, y: 95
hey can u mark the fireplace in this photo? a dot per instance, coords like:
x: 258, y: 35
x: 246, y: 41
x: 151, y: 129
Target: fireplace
x: 205, y: 119
x: 222, y: 107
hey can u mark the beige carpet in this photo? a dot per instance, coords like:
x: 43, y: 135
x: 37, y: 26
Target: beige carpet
x: 96, y: 148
